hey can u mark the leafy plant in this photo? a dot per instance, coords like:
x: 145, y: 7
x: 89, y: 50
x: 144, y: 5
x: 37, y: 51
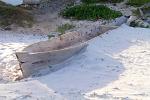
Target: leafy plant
x: 90, y: 12
x: 137, y: 2
x: 64, y: 28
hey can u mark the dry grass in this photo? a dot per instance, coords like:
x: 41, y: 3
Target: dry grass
x: 14, y: 15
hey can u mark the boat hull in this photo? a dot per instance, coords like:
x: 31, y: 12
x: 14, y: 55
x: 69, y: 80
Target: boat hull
x: 43, y: 54
x: 33, y: 62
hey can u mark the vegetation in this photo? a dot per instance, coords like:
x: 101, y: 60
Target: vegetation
x: 90, y: 12
x: 99, y: 1
x: 14, y: 15
x: 2, y: 3
x: 64, y: 28
x: 61, y: 30
x: 136, y: 13
x: 137, y: 2
x: 146, y: 11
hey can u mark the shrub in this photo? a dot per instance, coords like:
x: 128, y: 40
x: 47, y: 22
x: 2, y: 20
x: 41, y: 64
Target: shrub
x: 64, y: 28
x: 137, y: 2
x: 90, y: 12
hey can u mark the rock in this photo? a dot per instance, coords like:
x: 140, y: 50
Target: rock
x: 140, y: 23
x: 148, y: 20
x: 119, y: 21
x: 131, y: 19
x: 7, y: 28
x: 141, y: 13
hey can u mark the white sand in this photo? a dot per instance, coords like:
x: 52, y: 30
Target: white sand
x: 115, y: 66
x: 10, y: 42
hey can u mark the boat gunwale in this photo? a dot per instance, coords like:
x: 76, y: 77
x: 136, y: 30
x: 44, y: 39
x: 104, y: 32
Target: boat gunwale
x: 66, y: 48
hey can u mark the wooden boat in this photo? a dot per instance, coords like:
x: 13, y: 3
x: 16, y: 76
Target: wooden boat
x: 54, y: 51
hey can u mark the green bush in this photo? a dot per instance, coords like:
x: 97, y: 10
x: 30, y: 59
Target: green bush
x: 90, y: 12
x: 137, y: 2
x: 64, y: 27
x: 99, y: 1
x: 14, y: 15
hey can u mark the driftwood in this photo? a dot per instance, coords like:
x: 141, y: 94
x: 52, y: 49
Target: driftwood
x: 43, y: 54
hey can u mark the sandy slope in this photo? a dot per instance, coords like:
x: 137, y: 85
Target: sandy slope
x: 10, y: 42
x: 27, y: 91
x: 115, y: 66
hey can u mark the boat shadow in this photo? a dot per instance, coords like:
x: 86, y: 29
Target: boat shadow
x: 96, y: 67
x: 84, y: 72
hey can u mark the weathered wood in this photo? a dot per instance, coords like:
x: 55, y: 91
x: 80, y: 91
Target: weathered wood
x: 32, y: 62
x: 43, y: 54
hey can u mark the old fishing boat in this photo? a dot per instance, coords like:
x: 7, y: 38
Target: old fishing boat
x: 54, y: 51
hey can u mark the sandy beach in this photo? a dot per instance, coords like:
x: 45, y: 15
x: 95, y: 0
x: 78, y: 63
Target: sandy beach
x: 115, y: 66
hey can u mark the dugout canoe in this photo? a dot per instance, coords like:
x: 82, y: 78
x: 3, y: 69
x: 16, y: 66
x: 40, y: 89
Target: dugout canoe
x: 43, y: 54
